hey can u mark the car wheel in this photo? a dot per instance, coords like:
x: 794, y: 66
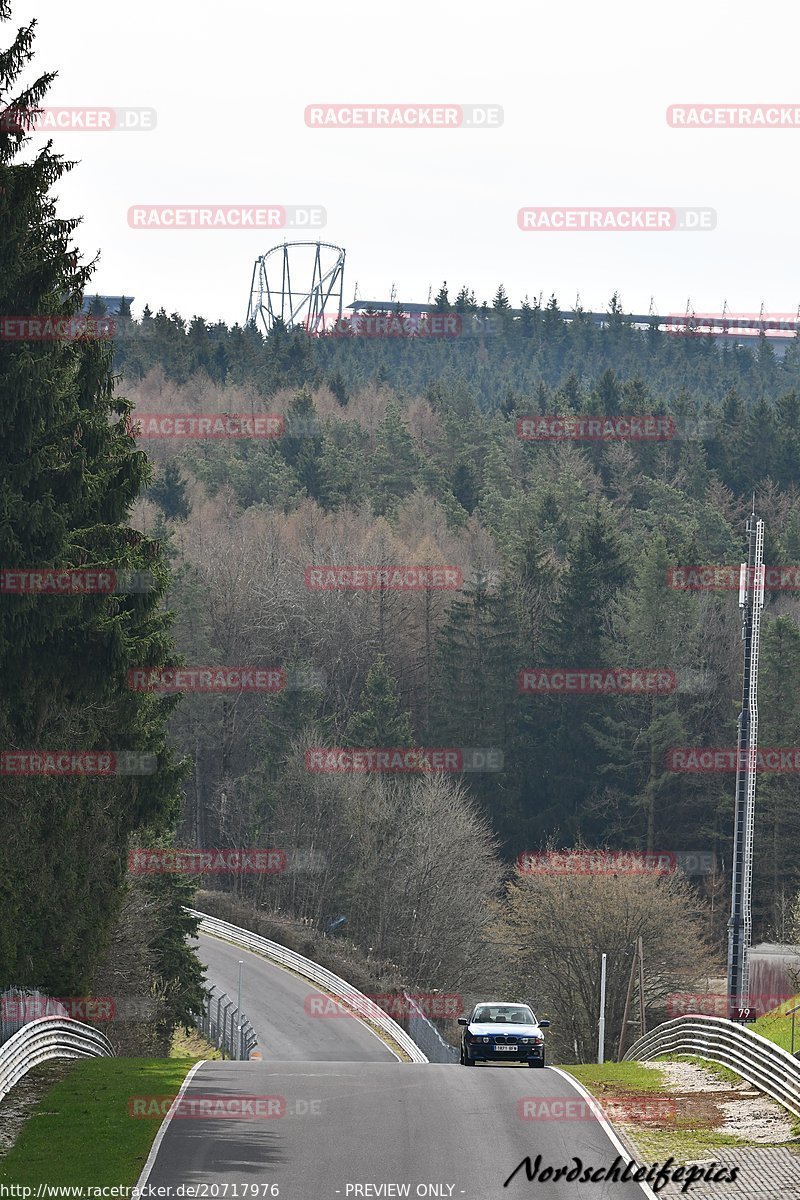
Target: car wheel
x: 466, y: 1061
x: 536, y: 1062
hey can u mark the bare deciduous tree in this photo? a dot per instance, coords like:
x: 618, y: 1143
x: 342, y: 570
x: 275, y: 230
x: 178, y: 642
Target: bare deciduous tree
x: 558, y: 925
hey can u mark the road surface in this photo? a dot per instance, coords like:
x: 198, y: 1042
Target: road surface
x: 330, y: 1114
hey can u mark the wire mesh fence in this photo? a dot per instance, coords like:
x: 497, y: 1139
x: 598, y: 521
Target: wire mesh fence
x: 20, y: 1006
x: 427, y: 1036
x: 220, y: 1024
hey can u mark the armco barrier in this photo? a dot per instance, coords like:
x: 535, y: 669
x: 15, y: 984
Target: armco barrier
x: 769, y: 1068
x: 48, y: 1037
x: 314, y: 972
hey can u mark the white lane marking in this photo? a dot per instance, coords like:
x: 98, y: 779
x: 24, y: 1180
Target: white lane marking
x: 151, y: 1158
x: 297, y: 975
x: 609, y: 1130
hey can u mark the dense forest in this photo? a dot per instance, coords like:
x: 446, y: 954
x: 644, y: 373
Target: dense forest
x: 405, y: 450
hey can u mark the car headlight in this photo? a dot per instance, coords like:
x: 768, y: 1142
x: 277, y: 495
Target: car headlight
x: 486, y: 1039
x: 526, y: 1040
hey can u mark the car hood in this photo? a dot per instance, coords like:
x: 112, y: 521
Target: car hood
x: 488, y: 1028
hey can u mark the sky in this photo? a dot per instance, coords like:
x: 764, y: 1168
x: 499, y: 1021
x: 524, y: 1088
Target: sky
x: 584, y: 91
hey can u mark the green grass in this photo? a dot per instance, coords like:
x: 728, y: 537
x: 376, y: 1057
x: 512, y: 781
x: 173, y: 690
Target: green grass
x: 778, y: 1028
x: 688, y: 1138
x: 80, y: 1133
x: 619, y: 1077
x: 188, y: 1043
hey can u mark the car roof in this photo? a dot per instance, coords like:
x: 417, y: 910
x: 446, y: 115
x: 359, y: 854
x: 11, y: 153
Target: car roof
x: 504, y: 1003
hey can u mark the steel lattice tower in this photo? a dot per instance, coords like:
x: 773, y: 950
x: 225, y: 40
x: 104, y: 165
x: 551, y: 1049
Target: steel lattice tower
x: 751, y: 601
x: 273, y: 296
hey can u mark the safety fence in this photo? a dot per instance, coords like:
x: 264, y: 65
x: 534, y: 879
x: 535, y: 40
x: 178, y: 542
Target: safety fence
x: 427, y: 1036
x: 221, y: 1026
x: 20, y: 1006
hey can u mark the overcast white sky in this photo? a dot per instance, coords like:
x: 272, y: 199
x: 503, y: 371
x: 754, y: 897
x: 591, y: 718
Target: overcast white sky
x: 584, y: 88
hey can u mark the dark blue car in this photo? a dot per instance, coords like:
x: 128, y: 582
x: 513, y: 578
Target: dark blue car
x: 501, y: 1032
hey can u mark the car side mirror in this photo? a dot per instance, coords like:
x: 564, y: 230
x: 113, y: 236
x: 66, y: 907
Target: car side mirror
x: 463, y: 1021
x: 544, y: 1024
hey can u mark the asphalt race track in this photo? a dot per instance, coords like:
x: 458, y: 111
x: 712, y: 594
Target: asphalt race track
x: 342, y: 1118
x: 274, y: 1002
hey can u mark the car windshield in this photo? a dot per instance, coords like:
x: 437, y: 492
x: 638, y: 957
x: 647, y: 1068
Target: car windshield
x: 503, y: 1014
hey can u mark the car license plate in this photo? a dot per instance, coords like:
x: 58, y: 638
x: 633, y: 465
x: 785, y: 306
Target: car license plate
x: 505, y: 1047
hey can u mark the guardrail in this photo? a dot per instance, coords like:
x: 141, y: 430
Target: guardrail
x: 337, y: 987
x: 45, y: 1038
x: 220, y: 1025
x: 768, y: 1067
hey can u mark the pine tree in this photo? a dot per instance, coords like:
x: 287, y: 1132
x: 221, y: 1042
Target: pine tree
x: 501, y: 303
x: 396, y: 463
x: 380, y: 721
x: 169, y: 492
x: 69, y: 475
x: 301, y: 445
x: 442, y: 302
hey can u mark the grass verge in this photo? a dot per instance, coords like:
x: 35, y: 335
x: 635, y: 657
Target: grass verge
x: 623, y: 1078
x: 778, y: 1027
x: 190, y: 1043
x: 688, y: 1133
x: 80, y: 1133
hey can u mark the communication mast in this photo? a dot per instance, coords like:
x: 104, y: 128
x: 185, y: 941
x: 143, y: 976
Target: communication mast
x: 751, y: 602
